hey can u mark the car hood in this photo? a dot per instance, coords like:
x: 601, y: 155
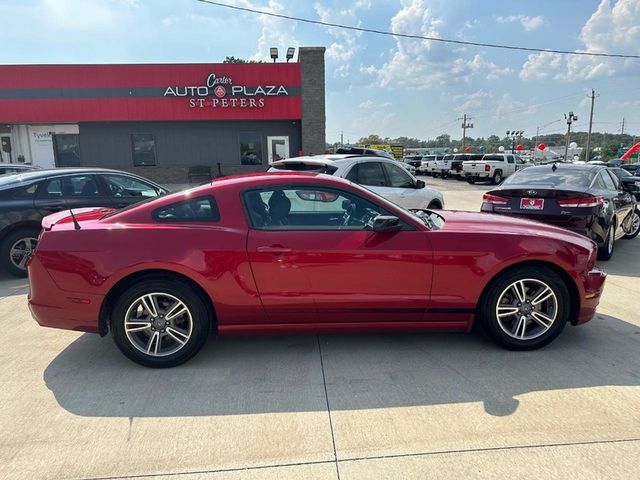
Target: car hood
x: 490, y: 223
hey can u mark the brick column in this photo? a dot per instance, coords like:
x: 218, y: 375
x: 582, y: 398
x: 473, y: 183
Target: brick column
x: 313, y: 103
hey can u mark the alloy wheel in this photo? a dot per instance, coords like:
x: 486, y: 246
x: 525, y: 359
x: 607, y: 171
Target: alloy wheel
x: 527, y: 309
x: 21, y: 250
x: 158, y: 324
x: 635, y: 223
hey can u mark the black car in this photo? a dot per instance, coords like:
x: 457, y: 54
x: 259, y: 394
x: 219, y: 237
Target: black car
x: 632, y: 168
x: 26, y: 198
x: 8, y: 168
x: 413, y: 160
x: 587, y: 199
x: 631, y: 182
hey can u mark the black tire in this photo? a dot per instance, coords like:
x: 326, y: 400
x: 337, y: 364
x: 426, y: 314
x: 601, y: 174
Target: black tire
x: 487, y: 309
x: 435, y: 175
x: 635, y: 226
x: 471, y: 180
x: 497, y: 177
x: 444, y: 175
x: 16, y: 238
x: 200, y: 317
x: 434, y: 206
x: 459, y: 178
x: 605, y: 252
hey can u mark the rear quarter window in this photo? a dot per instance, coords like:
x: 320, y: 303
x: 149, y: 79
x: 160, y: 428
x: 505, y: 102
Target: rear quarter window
x: 201, y: 209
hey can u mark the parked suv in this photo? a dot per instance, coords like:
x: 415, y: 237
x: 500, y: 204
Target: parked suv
x: 385, y: 177
x: 26, y: 198
x: 493, y: 167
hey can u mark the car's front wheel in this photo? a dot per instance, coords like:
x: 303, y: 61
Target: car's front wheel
x: 525, y: 309
x: 16, y: 249
x: 160, y: 322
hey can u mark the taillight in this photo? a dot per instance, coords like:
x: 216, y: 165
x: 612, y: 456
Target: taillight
x: 494, y: 199
x: 487, y: 168
x: 583, y: 202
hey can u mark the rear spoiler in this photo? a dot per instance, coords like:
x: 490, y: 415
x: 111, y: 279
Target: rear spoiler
x: 80, y: 214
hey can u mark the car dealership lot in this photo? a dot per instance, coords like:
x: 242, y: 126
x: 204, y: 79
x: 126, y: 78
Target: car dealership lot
x: 383, y: 406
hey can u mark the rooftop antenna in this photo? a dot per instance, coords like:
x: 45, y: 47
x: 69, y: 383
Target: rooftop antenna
x: 76, y: 225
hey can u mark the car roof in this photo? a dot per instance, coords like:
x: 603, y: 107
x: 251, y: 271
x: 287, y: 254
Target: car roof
x: 332, y: 159
x: 564, y: 166
x: 33, y: 175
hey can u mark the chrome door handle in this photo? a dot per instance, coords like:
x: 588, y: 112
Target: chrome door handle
x: 275, y: 249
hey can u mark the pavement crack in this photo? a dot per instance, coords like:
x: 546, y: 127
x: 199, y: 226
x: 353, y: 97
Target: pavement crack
x: 326, y: 397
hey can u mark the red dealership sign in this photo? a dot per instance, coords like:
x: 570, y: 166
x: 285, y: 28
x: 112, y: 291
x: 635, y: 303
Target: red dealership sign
x: 149, y: 92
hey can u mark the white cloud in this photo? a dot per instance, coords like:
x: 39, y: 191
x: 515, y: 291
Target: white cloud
x: 528, y: 23
x: 386, y: 104
x: 347, y: 44
x: 422, y: 64
x: 366, y: 104
x: 492, y: 105
x: 609, y: 30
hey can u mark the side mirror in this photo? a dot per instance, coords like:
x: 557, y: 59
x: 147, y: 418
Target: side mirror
x: 383, y: 223
x: 420, y: 184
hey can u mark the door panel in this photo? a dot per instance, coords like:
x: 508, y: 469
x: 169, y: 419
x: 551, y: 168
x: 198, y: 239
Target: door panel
x: 315, y: 259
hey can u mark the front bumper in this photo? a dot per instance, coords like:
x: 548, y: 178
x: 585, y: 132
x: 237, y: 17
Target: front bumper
x: 593, y: 283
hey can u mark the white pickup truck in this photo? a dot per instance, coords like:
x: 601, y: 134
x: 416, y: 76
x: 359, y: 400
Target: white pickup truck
x: 494, y: 167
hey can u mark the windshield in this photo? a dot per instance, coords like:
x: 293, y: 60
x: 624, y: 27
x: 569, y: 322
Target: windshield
x: 620, y: 173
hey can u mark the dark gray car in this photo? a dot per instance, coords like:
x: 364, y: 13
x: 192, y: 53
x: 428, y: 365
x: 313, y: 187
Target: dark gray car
x: 26, y: 198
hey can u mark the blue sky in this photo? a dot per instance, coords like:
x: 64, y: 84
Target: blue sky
x: 375, y: 84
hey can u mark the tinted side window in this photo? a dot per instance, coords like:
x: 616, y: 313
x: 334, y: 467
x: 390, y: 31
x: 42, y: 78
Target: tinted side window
x: 353, y: 174
x: 397, y: 177
x: 614, y: 179
x: 70, y: 186
x: 519, y: 160
x: 309, y: 208
x: 510, y: 159
x: 608, y: 181
x: 202, y: 209
x: 28, y: 191
x: 122, y: 186
x: 370, y: 173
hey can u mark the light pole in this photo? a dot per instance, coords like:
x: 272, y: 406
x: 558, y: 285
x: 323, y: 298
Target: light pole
x: 513, y: 134
x: 570, y: 119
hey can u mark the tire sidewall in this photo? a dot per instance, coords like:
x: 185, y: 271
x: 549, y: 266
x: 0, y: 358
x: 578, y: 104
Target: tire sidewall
x: 487, y: 309
x: 633, y: 234
x: 497, y: 178
x: 5, y: 249
x: 199, y: 313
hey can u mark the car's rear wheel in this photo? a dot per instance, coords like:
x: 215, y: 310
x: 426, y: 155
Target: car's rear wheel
x: 635, y: 225
x: 605, y: 252
x: 525, y: 309
x: 444, y: 175
x: 160, y: 323
x: 16, y: 249
x: 434, y: 206
x: 497, y: 178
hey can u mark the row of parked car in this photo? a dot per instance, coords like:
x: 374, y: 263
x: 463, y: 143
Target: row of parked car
x: 472, y: 167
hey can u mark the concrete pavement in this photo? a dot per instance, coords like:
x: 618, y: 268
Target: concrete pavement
x: 357, y: 407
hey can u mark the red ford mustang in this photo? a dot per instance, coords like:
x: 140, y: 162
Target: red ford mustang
x: 296, y: 252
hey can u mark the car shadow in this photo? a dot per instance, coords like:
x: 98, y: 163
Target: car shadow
x: 233, y: 376
x: 10, y: 285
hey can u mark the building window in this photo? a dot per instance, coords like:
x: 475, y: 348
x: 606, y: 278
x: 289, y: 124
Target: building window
x: 250, y: 149
x: 144, y: 149
x: 67, y: 150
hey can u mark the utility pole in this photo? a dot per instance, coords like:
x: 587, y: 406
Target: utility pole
x: 592, y: 97
x: 465, y: 125
x: 341, y: 138
x: 622, y: 129
x: 570, y: 119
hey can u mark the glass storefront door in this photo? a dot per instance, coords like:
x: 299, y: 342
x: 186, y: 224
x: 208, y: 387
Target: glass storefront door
x: 278, y: 148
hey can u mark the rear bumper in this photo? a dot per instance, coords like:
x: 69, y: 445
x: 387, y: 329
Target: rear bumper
x: 593, y: 283
x: 476, y: 174
x: 52, y: 307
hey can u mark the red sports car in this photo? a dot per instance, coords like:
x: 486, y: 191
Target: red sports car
x: 298, y: 252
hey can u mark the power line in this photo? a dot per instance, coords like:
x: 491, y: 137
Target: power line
x: 416, y: 37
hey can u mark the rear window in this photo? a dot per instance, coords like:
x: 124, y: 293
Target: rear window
x: 569, y: 177
x: 303, y: 167
x: 202, y: 209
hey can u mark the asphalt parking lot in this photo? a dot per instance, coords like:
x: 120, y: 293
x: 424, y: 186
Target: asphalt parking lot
x: 348, y: 407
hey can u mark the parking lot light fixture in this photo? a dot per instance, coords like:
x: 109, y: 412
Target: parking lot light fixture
x: 273, y: 51
x: 290, y: 53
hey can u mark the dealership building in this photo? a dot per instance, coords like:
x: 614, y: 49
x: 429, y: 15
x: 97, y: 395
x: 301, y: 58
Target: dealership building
x: 163, y: 120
